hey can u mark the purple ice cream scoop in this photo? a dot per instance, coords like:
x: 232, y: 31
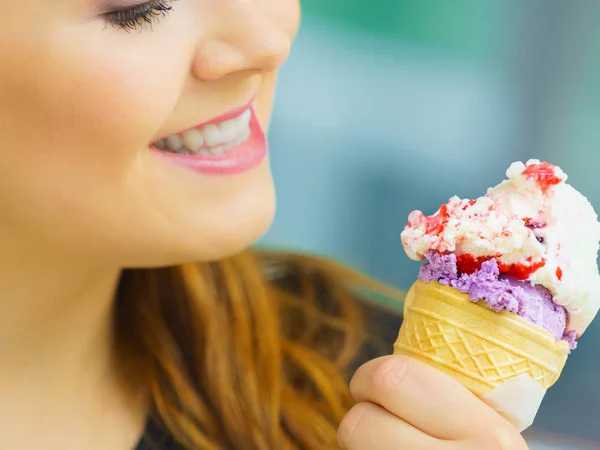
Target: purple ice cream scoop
x: 533, y: 303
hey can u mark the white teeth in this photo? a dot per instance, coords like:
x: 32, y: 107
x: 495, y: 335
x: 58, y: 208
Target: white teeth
x: 217, y: 151
x: 244, y: 119
x: 174, y: 142
x: 229, y: 129
x: 210, y: 140
x: 245, y: 135
x: 193, y: 140
x: 212, y: 135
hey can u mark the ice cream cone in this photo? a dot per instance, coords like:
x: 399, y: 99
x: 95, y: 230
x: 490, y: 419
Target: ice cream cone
x: 477, y: 346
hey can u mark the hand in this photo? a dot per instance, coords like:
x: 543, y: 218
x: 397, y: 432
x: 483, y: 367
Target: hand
x: 405, y: 404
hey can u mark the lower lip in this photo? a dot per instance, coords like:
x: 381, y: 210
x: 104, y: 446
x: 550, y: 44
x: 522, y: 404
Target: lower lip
x: 242, y: 158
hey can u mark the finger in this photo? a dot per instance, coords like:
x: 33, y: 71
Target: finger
x: 499, y: 438
x: 424, y: 397
x: 369, y: 426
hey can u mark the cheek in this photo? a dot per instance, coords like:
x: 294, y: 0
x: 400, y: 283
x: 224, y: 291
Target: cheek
x: 111, y: 96
x: 99, y: 102
x: 75, y: 116
x: 80, y: 110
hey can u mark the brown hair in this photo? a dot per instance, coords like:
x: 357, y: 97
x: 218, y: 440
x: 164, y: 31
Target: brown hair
x: 252, y: 352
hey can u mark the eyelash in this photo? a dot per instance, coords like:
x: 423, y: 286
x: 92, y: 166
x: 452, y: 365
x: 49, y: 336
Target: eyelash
x: 146, y: 14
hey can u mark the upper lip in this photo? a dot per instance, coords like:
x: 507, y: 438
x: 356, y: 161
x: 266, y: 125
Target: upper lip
x: 218, y: 119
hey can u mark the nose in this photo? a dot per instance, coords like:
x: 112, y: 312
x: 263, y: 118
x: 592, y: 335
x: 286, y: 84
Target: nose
x: 245, y: 40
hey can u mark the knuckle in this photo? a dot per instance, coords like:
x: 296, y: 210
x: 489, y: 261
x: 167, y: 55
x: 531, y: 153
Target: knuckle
x: 353, y: 423
x: 392, y: 373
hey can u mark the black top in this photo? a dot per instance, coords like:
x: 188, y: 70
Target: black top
x: 383, y: 322
x: 156, y: 439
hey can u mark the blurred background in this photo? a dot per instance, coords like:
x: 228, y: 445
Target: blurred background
x: 391, y: 105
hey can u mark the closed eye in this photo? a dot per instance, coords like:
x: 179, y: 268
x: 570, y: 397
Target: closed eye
x: 136, y: 17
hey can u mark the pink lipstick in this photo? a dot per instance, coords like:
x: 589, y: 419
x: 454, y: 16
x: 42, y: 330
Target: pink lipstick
x: 229, y: 144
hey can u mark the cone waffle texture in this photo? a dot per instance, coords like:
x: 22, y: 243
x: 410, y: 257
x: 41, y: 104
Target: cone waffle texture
x: 481, y: 348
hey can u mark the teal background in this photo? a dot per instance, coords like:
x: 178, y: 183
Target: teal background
x: 391, y: 105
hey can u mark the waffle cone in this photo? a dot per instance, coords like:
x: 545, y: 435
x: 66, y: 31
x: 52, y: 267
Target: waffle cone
x: 477, y: 346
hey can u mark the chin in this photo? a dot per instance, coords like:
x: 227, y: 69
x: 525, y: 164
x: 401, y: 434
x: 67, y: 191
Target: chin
x: 237, y: 225
x: 237, y: 237
x: 214, y: 235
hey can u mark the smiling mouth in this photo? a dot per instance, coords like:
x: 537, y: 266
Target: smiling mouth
x: 210, y: 140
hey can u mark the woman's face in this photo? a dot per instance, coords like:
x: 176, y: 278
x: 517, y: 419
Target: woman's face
x: 88, y: 93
